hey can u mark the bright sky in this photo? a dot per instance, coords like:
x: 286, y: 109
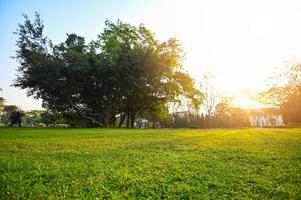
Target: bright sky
x: 240, y: 42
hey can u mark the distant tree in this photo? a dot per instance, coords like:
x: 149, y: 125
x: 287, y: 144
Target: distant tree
x: 223, y: 113
x: 33, y: 117
x: 210, y: 100
x: 158, y: 115
x: 51, y: 118
x: 285, y: 92
x: 291, y: 109
x: 10, y: 108
x: 15, y: 118
x: 181, y: 119
x: 226, y: 115
x: 2, y: 101
x: 125, y: 72
x: 239, y: 117
x: 202, y: 121
x: 7, y: 112
x: 12, y: 114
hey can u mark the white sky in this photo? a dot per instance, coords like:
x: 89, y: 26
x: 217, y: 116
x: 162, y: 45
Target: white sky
x: 240, y: 42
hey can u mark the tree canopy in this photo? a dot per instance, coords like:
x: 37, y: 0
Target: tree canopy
x: 126, y: 72
x: 285, y: 92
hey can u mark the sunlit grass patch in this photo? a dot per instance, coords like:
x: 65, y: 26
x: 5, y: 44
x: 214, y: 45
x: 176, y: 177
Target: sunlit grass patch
x: 157, y: 164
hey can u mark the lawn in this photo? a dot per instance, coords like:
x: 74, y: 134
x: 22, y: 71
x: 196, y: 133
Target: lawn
x: 40, y: 163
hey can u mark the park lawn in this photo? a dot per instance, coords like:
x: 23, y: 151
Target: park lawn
x: 41, y: 163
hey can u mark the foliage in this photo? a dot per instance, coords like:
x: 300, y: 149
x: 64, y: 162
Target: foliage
x: 2, y: 101
x: 51, y: 118
x: 240, y: 117
x: 33, y: 117
x: 125, y: 72
x: 285, y: 92
x: 181, y: 120
x: 223, y: 113
x: 292, y: 107
x: 228, y: 116
x: 8, y: 113
x: 158, y: 115
x: 150, y: 164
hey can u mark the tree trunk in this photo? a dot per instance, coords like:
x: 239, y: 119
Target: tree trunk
x: 154, y: 124
x: 127, y: 119
x: 133, y: 116
x: 106, y: 122
x: 122, y: 117
x: 112, y: 123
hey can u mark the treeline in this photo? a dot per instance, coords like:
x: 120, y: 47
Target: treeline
x: 230, y: 117
x: 224, y: 116
x: 33, y: 118
x: 42, y: 118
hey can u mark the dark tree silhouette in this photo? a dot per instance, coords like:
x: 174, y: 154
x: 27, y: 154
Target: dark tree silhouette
x: 15, y: 118
x: 126, y: 72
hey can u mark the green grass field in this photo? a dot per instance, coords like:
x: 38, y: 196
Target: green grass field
x: 150, y: 164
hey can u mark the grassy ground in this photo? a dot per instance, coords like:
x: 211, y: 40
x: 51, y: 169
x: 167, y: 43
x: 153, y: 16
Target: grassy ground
x: 150, y: 164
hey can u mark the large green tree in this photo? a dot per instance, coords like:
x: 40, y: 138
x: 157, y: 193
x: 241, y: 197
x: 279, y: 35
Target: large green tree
x: 125, y: 72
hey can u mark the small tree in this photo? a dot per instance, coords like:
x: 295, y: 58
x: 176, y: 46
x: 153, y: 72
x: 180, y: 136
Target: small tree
x: 33, y: 117
x: 223, y: 113
x: 2, y: 101
x: 8, y: 112
x: 210, y: 100
x: 15, y: 118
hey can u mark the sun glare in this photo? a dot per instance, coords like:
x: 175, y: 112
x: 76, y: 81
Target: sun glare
x: 246, y: 102
x: 241, y: 47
